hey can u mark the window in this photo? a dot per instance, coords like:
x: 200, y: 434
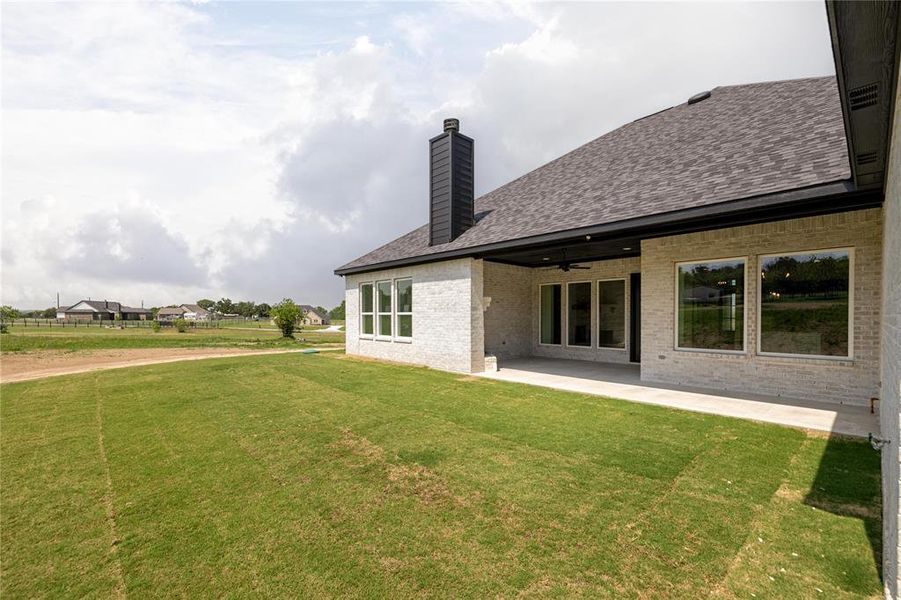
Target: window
x: 710, y: 305
x: 366, y: 316
x: 551, y: 314
x: 612, y: 314
x: 404, y: 303
x: 805, y: 303
x: 383, y: 305
x: 578, y: 322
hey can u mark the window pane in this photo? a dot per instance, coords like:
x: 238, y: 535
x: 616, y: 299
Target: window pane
x: 367, y: 324
x: 404, y: 295
x: 711, y: 305
x: 405, y: 325
x: 385, y: 325
x: 551, y: 310
x: 579, y: 319
x: 384, y: 296
x: 612, y: 314
x: 805, y: 303
x: 366, y: 297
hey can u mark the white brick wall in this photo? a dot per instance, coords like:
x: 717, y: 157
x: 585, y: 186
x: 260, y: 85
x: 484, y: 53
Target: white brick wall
x: 447, y: 316
x: 851, y: 381
x: 890, y: 409
x: 508, y: 318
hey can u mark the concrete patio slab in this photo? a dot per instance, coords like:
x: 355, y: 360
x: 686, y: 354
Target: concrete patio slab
x: 624, y: 382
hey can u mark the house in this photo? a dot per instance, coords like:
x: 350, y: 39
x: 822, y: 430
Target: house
x: 102, y: 310
x: 170, y: 313
x: 195, y: 312
x: 747, y: 239
x: 313, y: 316
x: 188, y: 312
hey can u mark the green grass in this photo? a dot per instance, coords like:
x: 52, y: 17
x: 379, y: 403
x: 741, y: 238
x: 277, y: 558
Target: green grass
x: 23, y: 339
x: 315, y: 476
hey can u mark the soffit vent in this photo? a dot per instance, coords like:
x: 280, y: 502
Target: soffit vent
x: 865, y: 158
x: 863, y: 96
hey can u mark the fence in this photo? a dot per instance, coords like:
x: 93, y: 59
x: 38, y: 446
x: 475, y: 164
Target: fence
x: 73, y: 323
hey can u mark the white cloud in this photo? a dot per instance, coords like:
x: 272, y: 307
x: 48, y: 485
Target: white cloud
x: 196, y: 159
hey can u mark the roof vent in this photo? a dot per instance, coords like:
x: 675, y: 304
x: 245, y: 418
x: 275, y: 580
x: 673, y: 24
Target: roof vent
x: 863, y: 96
x: 698, y: 97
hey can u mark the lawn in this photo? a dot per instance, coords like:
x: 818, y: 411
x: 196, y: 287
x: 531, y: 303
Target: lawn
x: 22, y: 339
x: 322, y: 475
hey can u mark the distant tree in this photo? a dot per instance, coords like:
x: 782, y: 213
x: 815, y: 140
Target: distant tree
x: 49, y: 313
x: 154, y: 311
x: 225, y: 306
x: 262, y: 310
x: 286, y: 315
x: 8, y: 313
x: 206, y: 303
x: 337, y: 313
x: 245, y: 308
x: 322, y: 311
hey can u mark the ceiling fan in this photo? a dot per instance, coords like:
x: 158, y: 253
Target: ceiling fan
x: 567, y: 265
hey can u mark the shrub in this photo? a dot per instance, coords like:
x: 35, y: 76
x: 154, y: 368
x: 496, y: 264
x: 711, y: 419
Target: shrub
x: 4, y: 328
x: 285, y: 314
x: 181, y: 325
x: 155, y: 326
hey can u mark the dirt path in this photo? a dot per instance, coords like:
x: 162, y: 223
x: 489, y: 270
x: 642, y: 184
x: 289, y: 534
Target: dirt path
x: 52, y: 363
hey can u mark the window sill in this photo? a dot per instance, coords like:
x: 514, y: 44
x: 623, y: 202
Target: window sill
x: 381, y: 338
x: 706, y: 351
x: 811, y: 358
x: 403, y: 340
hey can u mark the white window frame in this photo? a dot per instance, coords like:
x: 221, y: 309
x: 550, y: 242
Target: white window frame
x: 398, y: 313
x: 379, y: 313
x: 851, y: 263
x: 591, y: 320
x: 366, y: 336
x: 562, y: 315
x: 626, y: 315
x: 744, y: 332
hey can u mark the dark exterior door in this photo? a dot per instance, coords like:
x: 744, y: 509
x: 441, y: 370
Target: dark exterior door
x: 635, y: 317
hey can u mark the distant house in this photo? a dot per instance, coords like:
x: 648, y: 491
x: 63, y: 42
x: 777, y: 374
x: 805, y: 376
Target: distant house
x: 102, y: 310
x: 189, y: 312
x: 195, y: 312
x: 170, y: 313
x: 312, y: 315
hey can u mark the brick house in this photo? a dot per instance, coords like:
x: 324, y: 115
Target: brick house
x: 748, y: 239
x: 103, y: 310
x: 313, y: 316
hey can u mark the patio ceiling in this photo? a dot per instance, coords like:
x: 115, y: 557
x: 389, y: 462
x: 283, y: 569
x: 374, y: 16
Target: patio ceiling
x: 581, y: 249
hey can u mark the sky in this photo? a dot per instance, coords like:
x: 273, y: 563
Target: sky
x: 162, y: 153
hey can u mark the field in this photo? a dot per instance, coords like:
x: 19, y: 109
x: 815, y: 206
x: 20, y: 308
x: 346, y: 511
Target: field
x: 21, y: 339
x: 321, y: 475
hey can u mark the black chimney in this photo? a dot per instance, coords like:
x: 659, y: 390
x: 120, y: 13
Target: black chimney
x: 451, y: 180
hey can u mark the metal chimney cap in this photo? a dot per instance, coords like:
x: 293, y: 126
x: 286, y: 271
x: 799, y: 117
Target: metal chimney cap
x: 452, y: 125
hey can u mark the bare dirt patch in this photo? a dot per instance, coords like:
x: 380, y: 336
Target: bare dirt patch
x: 49, y: 363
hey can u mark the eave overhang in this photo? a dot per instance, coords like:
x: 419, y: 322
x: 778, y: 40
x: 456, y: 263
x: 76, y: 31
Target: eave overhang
x: 840, y: 196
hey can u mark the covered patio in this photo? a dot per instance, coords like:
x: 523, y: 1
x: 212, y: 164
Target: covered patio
x: 623, y: 381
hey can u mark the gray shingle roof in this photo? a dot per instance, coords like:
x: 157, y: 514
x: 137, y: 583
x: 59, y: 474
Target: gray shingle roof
x: 743, y: 141
x: 107, y: 306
